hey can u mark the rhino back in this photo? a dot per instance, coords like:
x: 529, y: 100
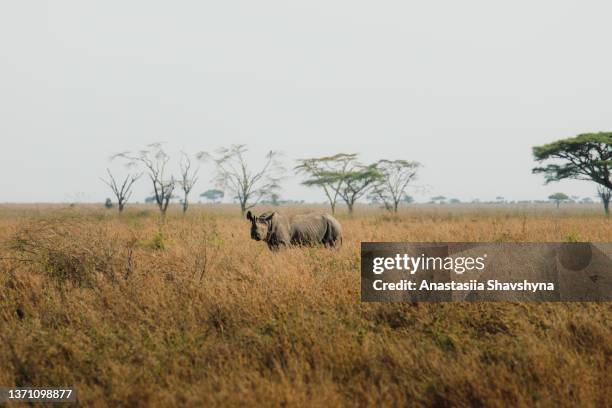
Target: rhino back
x: 308, y: 229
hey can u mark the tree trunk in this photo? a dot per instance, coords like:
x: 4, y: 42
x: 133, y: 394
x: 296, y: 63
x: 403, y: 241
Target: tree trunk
x: 120, y: 205
x: 162, y: 211
x: 185, y: 205
x: 333, y: 207
x: 162, y: 217
x: 350, y: 208
x: 606, y: 203
x: 558, y: 204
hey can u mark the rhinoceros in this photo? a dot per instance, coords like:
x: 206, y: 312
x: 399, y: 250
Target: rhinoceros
x: 277, y: 230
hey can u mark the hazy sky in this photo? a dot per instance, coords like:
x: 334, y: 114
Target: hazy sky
x: 465, y: 87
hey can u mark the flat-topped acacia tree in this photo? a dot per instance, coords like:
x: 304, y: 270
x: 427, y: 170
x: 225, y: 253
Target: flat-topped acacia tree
x: 213, y: 195
x: 558, y: 198
x: 356, y: 183
x: 328, y: 173
x: 585, y: 157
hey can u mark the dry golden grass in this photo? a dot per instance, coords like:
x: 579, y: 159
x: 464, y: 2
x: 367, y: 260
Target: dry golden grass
x: 202, y: 315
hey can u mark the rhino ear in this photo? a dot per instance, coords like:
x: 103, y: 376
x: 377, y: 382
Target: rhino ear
x: 270, y: 216
x: 249, y: 216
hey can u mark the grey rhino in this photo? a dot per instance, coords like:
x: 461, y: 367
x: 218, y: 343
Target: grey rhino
x: 278, y: 230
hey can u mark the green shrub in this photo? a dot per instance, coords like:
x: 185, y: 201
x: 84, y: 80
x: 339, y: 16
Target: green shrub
x: 573, y: 237
x: 156, y: 243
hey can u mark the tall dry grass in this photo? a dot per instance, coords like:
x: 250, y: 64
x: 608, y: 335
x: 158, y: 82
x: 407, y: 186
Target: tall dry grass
x: 193, y: 312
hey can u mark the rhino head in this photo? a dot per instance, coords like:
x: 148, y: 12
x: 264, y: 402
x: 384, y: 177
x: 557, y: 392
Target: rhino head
x: 260, y: 225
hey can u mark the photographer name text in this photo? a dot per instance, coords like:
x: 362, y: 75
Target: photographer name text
x: 458, y: 265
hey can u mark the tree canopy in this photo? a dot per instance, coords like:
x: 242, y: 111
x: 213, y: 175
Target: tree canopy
x: 356, y: 183
x: 585, y: 157
x: 213, y: 195
x: 328, y: 173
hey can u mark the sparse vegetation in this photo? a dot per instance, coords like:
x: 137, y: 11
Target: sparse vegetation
x: 200, y: 315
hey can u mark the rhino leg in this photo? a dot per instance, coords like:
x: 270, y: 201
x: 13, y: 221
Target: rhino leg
x: 333, y: 234
x: 329, y: 238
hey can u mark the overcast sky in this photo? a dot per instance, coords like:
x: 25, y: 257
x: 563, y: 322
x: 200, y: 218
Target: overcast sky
x: 464, y: 87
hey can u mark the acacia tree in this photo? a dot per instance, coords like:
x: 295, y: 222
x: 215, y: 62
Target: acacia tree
x: 123, y: 190
x: 213, y: 195
x: 558, y: 198
x: 328, y: 173
x: 189, y: 177
x: 155, y: 160
x: 604, y: 194
x: 585, y: 157
x: 356, y: 183
x: 395, y: 177
x: 248, y: 186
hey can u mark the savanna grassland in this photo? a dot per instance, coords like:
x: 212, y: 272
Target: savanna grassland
x: 193, y: 312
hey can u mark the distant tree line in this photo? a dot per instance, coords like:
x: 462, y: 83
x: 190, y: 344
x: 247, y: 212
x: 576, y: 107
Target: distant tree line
x: 342, y: 177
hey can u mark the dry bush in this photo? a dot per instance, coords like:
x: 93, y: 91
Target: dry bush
x: 213, y: 318
x: 66, y: 250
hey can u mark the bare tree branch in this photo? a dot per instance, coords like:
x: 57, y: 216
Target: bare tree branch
x: 396, y: 175
x: 155, y: 160
x: 188, y: 178
x: 248, y: 186
x: 123, y: 191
